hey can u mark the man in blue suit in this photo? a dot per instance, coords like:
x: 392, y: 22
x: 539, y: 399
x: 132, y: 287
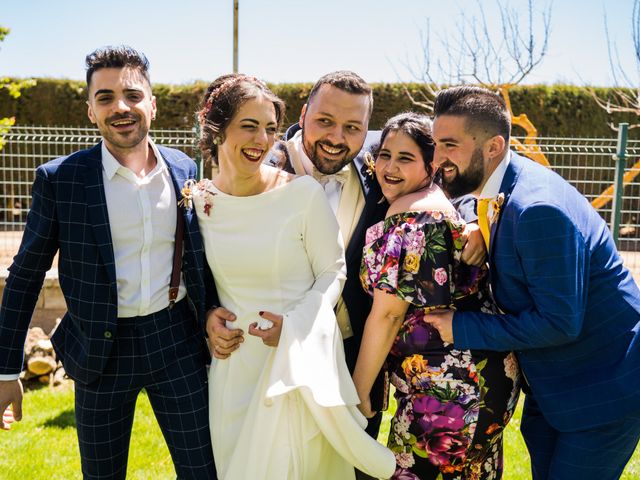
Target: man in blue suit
x: 135, y: 301
x: 571, y: 310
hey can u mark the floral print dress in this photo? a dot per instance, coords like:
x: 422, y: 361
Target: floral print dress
x: 453, y: 405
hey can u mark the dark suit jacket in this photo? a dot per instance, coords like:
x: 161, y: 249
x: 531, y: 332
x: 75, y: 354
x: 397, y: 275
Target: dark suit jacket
x: 572, y: 310
x: 69, y: 214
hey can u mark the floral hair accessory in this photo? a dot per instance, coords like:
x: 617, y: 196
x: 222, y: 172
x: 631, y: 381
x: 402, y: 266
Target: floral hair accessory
x: 370, y: 164
x: 202, y: 115
x: 496, y: 205
x: 187, y: 194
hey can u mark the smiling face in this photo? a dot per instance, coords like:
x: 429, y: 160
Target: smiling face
x: 121, y: 106
x: 248, y: 136
x: 400, y: 167
x: 334, y: 126
x: 459, y: 155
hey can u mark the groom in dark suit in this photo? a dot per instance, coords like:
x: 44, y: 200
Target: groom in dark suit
x: 571, y: 310
x: 134, y: 300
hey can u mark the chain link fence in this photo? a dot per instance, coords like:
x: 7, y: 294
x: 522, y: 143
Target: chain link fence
x: 587, y: 163
x: 28, y: 147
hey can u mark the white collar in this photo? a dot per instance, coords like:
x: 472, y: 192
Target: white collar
x: 307, y: 164
x: 111, y: 165
x: 492, y: 187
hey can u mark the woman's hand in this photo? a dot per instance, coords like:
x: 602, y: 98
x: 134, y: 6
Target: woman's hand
x: 365, y: 407
x: 270, y: 336
x: 475, y: 250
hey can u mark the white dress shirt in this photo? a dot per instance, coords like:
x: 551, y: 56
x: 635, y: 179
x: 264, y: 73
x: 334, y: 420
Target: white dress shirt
x: 142, y: 218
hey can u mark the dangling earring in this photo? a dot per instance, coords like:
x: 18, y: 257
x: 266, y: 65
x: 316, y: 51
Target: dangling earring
x: 217, y: 140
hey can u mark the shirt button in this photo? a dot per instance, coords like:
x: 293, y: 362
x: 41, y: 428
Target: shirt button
x: 107, y: 334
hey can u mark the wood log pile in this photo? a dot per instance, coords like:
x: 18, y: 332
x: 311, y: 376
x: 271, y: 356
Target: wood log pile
x: 40, y: 363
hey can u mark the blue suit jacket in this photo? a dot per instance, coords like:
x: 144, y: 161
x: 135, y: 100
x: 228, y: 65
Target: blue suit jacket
x: 572, y: 310
x: 69, y: 214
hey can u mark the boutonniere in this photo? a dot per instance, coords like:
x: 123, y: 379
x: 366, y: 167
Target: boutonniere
x: 187, y: 194
x: 496, y: 206
x: 191, y: 188
x: 369, y: 164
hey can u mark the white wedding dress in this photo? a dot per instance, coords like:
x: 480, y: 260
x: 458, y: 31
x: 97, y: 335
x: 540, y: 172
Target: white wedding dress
x: 287, y: 412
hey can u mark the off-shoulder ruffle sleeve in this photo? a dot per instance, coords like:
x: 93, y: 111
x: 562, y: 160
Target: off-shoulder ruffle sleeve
x: 415, y: 255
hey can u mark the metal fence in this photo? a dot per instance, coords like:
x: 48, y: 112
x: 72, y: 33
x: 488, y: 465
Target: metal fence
x: 587, y: 163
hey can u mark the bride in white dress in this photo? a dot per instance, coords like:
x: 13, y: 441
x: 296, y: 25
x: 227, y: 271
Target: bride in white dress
x: 283, y: 405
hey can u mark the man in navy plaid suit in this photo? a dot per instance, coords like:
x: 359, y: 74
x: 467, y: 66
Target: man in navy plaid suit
x: 111, y: 212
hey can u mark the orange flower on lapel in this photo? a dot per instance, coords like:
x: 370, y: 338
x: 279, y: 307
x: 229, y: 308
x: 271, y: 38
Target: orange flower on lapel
x: 370, y: 164
x: 187, y: 194
x: 496, y: 206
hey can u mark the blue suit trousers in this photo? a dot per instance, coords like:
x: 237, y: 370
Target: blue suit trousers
x: 599, y: 453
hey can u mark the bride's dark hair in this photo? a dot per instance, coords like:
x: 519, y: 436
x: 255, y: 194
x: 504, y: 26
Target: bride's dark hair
x: 223, y: 98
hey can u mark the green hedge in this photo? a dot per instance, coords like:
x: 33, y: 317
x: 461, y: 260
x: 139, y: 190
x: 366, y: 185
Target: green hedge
x: 557, y: 110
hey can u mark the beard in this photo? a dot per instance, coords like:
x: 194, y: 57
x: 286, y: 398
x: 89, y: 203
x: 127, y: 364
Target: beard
x: 128, y: 140
x: 327, y: 166
x: 467, y: 181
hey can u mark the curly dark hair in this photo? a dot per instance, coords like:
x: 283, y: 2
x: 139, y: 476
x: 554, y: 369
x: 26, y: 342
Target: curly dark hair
x: 120, y: 56
x: 418, y: 127
x: 223, y: 98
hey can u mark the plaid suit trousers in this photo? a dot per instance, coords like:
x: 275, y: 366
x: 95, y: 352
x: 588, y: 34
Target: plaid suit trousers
x: 163, y: 353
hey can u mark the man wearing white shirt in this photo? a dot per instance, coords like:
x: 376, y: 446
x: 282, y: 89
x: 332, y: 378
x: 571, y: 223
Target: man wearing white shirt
x: 134, y: 294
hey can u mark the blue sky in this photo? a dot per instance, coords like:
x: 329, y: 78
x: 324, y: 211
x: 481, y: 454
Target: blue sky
x: 291, y: 41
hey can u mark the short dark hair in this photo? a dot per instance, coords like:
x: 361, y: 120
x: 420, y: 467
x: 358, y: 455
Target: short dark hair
x: 346, y: 81
x: 223, y: 98
x: 484, y: 111
x: 120, y: 56
x: 418, y: 127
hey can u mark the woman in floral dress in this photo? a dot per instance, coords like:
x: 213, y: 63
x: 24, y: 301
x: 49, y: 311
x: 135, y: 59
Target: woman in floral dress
x: 453, y: 405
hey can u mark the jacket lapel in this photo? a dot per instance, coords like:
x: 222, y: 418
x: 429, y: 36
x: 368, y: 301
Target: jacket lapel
x: 178, y: 177
x: 506, y: 187
x: 97, y: 209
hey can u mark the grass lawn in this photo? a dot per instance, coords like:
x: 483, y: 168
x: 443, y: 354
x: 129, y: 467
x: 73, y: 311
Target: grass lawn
x: 44, y: 446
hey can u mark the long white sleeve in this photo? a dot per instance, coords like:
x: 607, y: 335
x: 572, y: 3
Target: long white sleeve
x: 310, y: 353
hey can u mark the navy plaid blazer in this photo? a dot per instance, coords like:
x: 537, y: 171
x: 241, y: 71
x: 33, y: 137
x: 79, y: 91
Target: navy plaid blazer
x: 69, y: 214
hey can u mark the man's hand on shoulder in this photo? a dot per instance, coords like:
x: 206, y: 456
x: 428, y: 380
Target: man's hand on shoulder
x: 222, y: 340
x: 10, y: 394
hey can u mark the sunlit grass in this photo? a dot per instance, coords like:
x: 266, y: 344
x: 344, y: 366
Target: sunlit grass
x: 44, y: 445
